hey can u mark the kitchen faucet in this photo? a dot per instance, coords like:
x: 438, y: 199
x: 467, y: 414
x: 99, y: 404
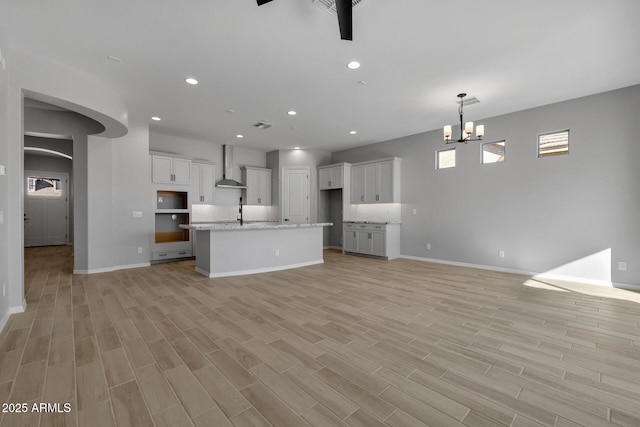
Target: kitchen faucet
x: 240, y: 210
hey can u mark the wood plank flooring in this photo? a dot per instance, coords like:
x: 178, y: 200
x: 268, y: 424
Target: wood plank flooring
x: 353, y: 342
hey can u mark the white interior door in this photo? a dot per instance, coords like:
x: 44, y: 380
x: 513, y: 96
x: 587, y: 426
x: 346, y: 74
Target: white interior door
x: 295, y: 195
x: 45, y: 209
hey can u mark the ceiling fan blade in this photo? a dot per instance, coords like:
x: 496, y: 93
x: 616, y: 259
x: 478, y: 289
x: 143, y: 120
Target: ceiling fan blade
x: 261, y: 2
x: 344, y: 9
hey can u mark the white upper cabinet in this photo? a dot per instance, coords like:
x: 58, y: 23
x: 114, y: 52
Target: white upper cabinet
x: 376, y: 182
x: 170, y: 170
x: 331, y: 177
x: 258, y: 182
x: 357, y: 184
x: 202, y: 183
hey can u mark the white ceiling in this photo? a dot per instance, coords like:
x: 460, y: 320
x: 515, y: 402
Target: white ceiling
x: 416, y: 56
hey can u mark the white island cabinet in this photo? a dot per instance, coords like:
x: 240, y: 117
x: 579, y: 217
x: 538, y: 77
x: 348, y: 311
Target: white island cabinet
x: 231, y: 249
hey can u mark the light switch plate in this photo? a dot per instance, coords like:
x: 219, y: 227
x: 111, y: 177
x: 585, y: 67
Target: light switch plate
x: 1, y: 217
x: 136, y: 214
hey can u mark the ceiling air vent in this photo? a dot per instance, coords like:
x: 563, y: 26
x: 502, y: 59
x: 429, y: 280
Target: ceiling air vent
x: 262, y: 124
x: 329, y: 6
x: 470, y: 101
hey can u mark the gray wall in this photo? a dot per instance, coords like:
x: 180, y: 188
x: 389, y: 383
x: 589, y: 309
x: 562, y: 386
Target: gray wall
x: 4, y: 192
x: 546, y: 214
x: 131, y: 183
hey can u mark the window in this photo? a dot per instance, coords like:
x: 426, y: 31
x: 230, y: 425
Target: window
x: 553, y: 143
x: 39, y: 186
x: 493, y: 152
x: 446, y: 158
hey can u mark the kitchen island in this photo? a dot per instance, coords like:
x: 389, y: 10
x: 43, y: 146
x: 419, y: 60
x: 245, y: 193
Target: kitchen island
x: 232, y: 249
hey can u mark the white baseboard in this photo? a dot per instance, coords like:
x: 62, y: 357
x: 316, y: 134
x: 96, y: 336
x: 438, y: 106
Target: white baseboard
x: 333, y: 247
x: 586, y: 280
x: 111, y: 269
x: 626, y: 286
x: 12, y: 310
x: 258, y: 270
x: 19, y: 308
x: 464, y: 264
x: 4, y: 320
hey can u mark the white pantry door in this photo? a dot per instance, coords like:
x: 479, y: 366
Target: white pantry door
x: 295, y: 195
x: 45, y: 209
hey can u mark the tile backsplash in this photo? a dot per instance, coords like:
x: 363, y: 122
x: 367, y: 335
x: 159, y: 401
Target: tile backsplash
x: 215, y: 213
x: 380, y: 212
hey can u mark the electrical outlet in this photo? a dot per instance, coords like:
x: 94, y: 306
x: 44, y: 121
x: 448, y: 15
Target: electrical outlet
x: 1, y: 217
x: 501, y: 254
x: 136, y: 214
x: 140, y: 250
x: 277, y: 252
x: 415, y: 211
x: 3, y: 170
x: 622, y: 265
x: 160, y: 199
x: 429, y: 246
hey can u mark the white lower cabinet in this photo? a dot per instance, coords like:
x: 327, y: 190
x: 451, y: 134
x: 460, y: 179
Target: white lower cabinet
x: 380, y: 240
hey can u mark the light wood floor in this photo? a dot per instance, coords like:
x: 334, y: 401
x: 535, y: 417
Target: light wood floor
x: 353, y: 342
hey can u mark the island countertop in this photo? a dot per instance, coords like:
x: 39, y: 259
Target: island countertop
x: 235, y: 226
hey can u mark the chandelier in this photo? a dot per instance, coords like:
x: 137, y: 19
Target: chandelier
x: 466, y: 130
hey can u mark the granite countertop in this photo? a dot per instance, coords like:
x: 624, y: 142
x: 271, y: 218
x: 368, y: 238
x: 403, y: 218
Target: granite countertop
x: 222, y: 226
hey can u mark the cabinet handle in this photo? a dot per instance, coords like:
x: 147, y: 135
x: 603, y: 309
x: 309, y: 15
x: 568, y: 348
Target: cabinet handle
x: 377, y: 197
x: 259, y: 200
x: 329, y: 183
x: 369, y: 235
x: 354, y: 234
x: 182, y: 253
x: 362, y: 198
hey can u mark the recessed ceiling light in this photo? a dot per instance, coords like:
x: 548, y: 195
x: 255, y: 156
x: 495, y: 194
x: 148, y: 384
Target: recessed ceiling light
x: 296, y: 148
x: 353, y: 65
x: 352, y: 132
x: 292, y: 113
x: 231, y: 111
x: 191, y: 81
x: 239, y: 136
x: 156, y: 118
x: 114, y: 59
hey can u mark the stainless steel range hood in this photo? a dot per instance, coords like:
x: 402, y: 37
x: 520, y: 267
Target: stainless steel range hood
x: 227, y: 170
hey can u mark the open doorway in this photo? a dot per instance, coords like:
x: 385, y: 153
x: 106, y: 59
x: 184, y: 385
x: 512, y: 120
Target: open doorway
x: 47, y: 189
x: 46, y: 209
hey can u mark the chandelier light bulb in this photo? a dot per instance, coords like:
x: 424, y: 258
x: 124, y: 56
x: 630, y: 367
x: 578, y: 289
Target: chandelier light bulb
x: 480, y: 131
x: 468, y: 128
x: 447, y: 132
